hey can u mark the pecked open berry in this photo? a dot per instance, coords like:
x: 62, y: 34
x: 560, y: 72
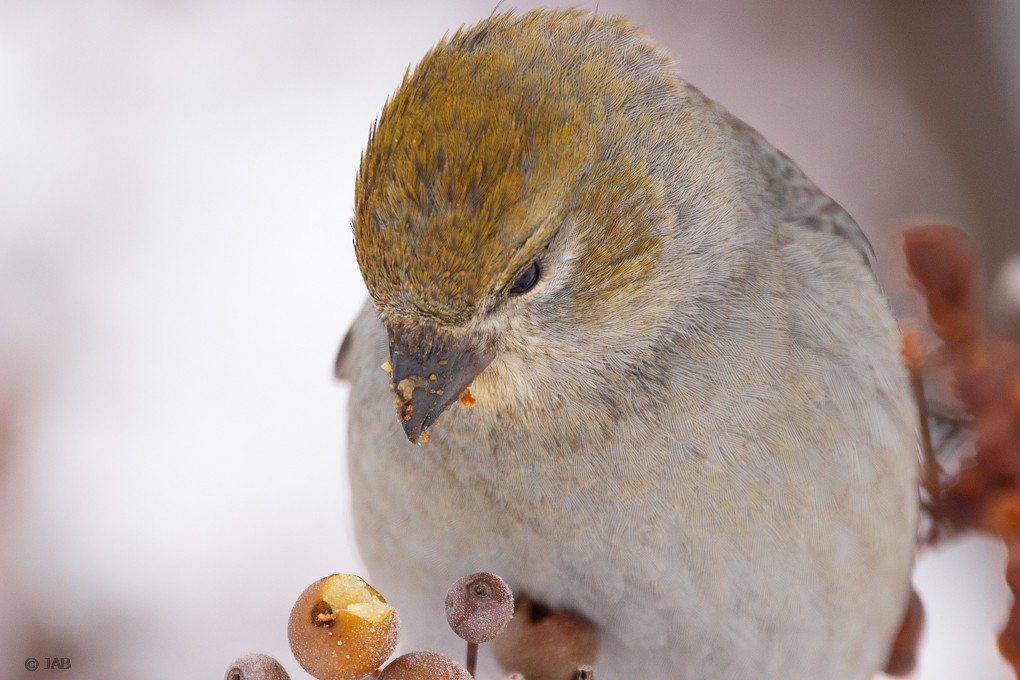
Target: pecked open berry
x: 479, y: 606
x: 342, y: 629
x: 424, y: 666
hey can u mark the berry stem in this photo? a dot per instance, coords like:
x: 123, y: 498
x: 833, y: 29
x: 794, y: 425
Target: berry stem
x: 472, y: 658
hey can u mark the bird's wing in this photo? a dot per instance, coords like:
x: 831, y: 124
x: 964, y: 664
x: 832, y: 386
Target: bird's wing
x: 796, y: 198
x: 801, y: 203
x: 341, y: 369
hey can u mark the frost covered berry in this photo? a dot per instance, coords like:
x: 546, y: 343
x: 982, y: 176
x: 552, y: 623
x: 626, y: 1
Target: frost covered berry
x: 545, y: 644
x: 341, y: 628
x: 479, y: 606
x: 424, y: 666
x: 256, y: 667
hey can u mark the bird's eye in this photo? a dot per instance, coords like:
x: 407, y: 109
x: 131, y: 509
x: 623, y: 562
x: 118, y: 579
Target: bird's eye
x: 527, y: 280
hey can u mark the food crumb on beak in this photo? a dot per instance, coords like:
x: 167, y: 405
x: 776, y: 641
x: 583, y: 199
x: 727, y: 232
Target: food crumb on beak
x: 467, y: 400
x: 405, y: 388
x: 387, y: 367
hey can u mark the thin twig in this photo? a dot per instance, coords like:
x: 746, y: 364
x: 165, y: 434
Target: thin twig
x: 472, y: 658
x: 913, y: 355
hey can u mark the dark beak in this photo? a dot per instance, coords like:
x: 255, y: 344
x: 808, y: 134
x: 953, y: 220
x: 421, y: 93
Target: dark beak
x: 429, y: 371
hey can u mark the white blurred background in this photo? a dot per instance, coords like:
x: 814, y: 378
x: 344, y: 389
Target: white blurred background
x: 176, y: 272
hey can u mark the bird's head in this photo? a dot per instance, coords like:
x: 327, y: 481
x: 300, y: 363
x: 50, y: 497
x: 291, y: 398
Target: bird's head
x: 509, y: 211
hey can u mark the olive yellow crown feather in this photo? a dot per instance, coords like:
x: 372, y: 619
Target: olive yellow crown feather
x: 482, y: 153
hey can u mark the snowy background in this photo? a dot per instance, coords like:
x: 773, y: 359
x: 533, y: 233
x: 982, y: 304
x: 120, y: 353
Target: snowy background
x: 176, y: 272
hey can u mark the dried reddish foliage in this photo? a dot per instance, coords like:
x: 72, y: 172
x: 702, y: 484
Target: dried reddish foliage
x: 903, y: 656
x: 984, y: 495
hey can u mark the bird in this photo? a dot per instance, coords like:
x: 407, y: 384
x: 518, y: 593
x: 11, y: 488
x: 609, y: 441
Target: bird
x: 640, y: 365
